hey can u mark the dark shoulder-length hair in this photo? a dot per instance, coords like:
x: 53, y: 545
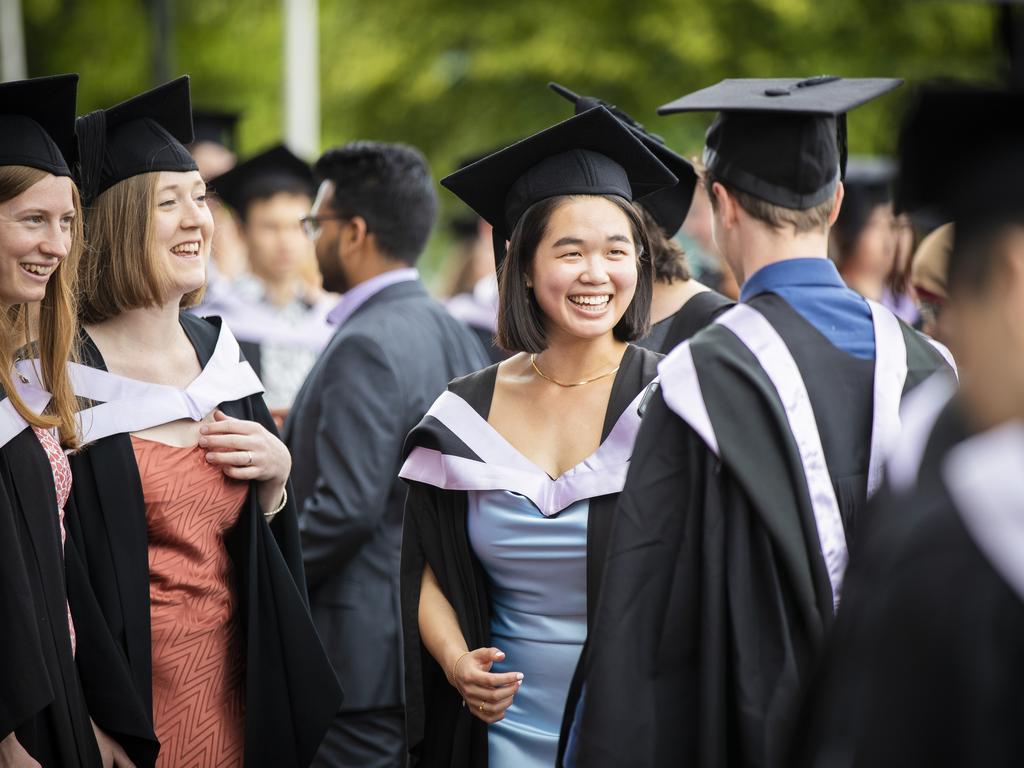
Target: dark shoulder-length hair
x: 521, y: 325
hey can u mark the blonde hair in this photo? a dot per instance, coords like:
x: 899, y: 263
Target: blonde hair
x: 58, y: 336
x: 119, y: 271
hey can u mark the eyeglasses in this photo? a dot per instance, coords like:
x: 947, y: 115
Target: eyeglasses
x: 312, y: 225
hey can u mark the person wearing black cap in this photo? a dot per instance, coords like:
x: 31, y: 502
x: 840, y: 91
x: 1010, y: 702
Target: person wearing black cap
x: 183, y: 515
x: 472, y: 293
x: 514, y: 471
x: 924, y: 664
x: 680, y: 306
x: 213, y: 148
x: 280, y: 322
x: 43, y: 713
x: 754, y: 460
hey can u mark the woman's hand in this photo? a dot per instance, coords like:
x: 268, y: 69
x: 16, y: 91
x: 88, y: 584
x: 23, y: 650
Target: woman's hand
x: 13, y: 755
x: 111, y: 754
x: 487, y: 695
x: 245, y: 450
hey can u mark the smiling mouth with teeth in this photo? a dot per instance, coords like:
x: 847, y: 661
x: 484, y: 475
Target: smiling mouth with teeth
x: 39, y: 269
x: 591, y: 302
x: 186, y: 249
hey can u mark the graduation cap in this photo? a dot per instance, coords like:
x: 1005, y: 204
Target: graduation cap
x: 37, y: 122
x: 961, y: 154
x: 144, y: 134
x: 589, y: 154
x: 264, y: 175
x: 215, y: 126
x: 781, y: 140
x: 669, y: 206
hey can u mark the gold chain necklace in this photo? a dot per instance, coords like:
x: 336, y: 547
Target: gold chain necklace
x: 533, y: 362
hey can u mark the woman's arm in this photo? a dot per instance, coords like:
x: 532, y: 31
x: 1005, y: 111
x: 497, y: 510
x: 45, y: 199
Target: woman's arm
x: 487, y: 695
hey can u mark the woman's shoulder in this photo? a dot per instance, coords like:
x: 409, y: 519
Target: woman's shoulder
x: 644, y: 361
x: 476, y: 385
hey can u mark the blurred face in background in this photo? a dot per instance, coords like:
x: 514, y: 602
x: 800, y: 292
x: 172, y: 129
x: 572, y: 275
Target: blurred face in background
x: 874, y: 251
x: 278, y: 248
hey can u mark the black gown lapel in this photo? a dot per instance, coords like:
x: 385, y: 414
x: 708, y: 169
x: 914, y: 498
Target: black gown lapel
x: 47, y: 707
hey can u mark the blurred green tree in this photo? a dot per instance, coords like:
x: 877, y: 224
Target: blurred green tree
x: 455, y: 77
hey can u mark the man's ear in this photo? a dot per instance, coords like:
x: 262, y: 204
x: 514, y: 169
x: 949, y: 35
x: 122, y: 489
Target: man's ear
x: 724, y: 206
x: 355, y: 232
x: 837, y: 203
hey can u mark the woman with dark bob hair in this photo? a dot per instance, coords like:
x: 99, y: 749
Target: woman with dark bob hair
x: 515, y: 470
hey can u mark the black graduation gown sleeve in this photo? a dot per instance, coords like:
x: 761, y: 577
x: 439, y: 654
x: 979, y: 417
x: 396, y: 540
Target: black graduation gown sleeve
x: 41, y: 698
x: 440, y: 731
x: 708, y: 618
x: 292, y: 693
x: 924, y: 665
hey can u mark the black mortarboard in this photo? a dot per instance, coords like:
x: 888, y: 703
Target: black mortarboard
x: 147, y: 133
x: 215, y: 126
x: 37, y: 123
x: 962, y: 154
x: 589, y: 154
x: 669, y: 206
x: 274, y: 170
x: 781, y: 140
x: 961, y: 159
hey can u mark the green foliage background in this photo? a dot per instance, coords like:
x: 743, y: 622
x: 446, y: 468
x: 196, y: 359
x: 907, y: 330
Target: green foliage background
x: 456, y: 77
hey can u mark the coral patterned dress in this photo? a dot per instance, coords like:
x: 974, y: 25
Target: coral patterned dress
x: 62, y: 485
x: 198, y: 667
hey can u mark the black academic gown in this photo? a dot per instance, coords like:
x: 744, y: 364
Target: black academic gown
x: 291, y: 691
x: 924, y: 665
x: 696, y: 314
x: 716, y: 597
x: 41, y: 697
x: 441, y: 732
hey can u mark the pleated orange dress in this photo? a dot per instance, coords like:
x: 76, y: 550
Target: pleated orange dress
x: 198, y: 659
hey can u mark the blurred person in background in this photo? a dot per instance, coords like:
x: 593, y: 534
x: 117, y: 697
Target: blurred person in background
x: 864, y: 239
x: 930, y: 285
x: 214, y: 152
x: 472, y: 292
x: 393, y: 351
x: 898, y: 294
x: 924, y: 664
x: 680, y: 305
x: 276, y: 315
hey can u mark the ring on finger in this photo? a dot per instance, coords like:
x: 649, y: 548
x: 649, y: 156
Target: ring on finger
x: 481, y: 706
x: 249, y: 462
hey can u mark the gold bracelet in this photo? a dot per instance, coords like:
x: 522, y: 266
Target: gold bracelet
x: 284, y: 500
x: 455, y: 668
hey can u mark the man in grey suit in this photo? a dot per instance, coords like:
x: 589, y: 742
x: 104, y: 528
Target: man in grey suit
x: 393, y: 353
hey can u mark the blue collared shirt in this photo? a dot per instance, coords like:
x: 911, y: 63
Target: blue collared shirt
x: 814, y: 288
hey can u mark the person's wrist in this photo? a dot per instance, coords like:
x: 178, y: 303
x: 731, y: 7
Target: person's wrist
x: 453, y: 660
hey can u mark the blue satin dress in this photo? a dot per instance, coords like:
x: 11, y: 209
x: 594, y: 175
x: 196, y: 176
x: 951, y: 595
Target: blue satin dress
x: 537, y: 576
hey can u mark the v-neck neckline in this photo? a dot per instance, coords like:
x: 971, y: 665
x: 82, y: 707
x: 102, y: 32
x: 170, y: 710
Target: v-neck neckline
x: 606, y: 429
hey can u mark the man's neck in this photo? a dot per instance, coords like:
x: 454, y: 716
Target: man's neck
x: 757, y: 246
x: 380, y: 268
x: 279, y: 291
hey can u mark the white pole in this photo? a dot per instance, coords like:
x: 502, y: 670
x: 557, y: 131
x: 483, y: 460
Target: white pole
x: 301, y: 78
x: 12, y: 42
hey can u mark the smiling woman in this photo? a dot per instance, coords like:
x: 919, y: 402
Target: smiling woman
x: 182, y: 494
x: 515, y: 471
